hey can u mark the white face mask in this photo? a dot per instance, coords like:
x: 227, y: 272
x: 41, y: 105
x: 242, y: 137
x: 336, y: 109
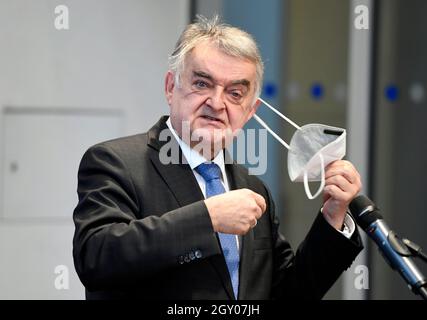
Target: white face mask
x: 312, y: 148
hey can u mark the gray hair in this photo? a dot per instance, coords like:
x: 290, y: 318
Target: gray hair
x: 231, y: 40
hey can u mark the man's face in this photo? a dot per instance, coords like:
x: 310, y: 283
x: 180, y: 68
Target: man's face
x: 215, y: 96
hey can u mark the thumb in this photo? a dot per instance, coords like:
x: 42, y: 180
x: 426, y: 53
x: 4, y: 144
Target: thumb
x: 326, y: 195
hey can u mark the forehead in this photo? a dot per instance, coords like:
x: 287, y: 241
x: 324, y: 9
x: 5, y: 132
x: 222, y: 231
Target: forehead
x: 210, y: 59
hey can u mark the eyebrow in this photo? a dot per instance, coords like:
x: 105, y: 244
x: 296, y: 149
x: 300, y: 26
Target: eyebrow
x: 202, y: 75
x: 205, y: 75
x: 243, y: 82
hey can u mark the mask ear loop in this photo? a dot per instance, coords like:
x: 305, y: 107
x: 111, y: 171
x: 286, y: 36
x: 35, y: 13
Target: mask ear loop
x: 322, y: 181
x: 274, y: 134
x: 279, y: 114
x: 262, y: 123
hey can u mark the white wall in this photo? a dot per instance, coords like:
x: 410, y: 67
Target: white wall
x: 111, y: 61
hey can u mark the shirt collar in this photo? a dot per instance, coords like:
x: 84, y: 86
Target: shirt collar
x: 194, y: 158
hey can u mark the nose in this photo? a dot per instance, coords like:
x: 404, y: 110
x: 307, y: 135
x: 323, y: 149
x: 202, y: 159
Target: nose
x: 216, y: 99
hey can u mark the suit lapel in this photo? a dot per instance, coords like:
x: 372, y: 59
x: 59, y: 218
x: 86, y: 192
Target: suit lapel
x: 237, y: 180
x: 183, y: 185
x: 178, y: 176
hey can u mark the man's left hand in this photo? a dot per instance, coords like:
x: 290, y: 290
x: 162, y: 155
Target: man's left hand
x: 341, y: 186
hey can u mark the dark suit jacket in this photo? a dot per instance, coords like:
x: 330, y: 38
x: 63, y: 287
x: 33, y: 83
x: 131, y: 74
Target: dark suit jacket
x: 143, y: 231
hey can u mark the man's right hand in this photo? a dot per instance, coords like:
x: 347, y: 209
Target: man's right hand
x: 235, y: 212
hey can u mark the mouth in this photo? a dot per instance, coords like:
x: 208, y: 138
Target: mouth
x: 212, y: 119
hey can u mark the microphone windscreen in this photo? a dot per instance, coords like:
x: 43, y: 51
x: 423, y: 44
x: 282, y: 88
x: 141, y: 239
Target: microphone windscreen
x: 364, y: 211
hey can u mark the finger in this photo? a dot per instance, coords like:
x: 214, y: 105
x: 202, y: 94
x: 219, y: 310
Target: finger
x: 340, y: 182
x: 354, y: 180
x: 341, y: 163
x: 326, y: 196
x: 335, y: 193
x: 260, y: 201
x: 255, y: 223
x: 258, y: 211
x: 345, y: 170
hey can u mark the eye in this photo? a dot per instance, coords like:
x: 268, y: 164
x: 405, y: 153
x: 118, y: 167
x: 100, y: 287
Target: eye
x: 236, y: 95
x: 200, y: 84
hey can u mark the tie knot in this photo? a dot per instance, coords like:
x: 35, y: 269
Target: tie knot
x: 209, y: 171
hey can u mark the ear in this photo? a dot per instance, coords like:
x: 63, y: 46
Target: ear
x: 253, y: 109
x: 169, y: 86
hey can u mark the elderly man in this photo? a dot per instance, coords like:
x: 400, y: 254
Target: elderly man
x: 202, y: 228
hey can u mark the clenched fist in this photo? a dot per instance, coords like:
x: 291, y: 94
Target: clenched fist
x: 235, y: 212
x: 341, y: 186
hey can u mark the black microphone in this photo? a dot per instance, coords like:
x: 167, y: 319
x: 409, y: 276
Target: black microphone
x: 391, y: 246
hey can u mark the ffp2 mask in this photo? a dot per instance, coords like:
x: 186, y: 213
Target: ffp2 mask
x: 312, y: 148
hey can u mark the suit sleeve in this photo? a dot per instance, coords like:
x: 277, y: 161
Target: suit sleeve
x: 111, y: 247
x: 320, y: 259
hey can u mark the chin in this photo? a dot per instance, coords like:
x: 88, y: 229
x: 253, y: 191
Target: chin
x: 207, y: 136
x: 208, y: 140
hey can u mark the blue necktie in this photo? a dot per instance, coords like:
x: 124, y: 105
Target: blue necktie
x: 211, y: 173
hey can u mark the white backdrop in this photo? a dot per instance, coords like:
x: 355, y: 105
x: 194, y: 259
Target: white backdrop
x: 61, y: 91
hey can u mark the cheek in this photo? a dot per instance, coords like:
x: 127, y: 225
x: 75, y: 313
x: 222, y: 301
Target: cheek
x: 193, y: 104
x: 237, y: 118
x: 188, y: 108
